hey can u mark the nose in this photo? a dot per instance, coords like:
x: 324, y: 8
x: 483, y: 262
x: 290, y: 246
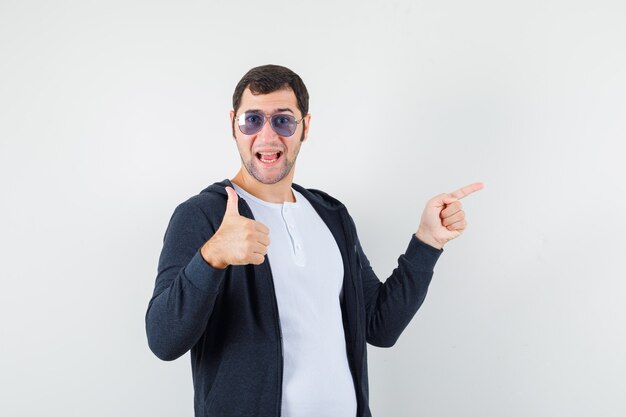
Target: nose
x: 267, y: 132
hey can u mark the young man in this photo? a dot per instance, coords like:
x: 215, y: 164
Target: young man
x: 266, y: 282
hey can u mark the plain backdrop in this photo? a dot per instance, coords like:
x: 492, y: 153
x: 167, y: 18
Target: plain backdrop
x: 114, y: 112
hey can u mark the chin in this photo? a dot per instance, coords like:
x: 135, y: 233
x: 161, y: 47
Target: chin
x: 266, y: 179
x: 270, y: 179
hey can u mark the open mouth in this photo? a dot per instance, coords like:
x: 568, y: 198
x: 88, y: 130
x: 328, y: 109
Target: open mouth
x: 269, y: 158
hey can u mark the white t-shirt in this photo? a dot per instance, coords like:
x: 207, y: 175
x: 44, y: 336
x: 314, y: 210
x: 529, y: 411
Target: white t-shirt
x: 308, y: 275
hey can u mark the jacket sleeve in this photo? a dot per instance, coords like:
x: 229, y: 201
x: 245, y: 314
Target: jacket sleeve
x: 390, y: 306
x: 186, y: 285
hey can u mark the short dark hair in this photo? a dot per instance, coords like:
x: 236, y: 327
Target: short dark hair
x: 269, y: 78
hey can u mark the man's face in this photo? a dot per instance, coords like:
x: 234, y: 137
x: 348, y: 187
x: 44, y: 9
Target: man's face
x: 267, y: 156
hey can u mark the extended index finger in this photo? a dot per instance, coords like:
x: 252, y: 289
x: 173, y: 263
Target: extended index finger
x: 467, y: 190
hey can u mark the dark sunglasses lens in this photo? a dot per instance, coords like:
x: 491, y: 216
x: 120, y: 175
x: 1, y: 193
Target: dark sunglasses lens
x: 250, y: 123
x: 284, y: 124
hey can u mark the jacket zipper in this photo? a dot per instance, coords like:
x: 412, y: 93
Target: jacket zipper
x: 280, y: 338
x: 353, y: 264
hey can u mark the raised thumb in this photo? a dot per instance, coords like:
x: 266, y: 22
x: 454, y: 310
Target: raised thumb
x: 231, y: 204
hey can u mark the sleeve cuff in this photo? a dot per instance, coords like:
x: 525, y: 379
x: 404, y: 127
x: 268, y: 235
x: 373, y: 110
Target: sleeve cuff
x: 202, y: 275
x: 422, y: 254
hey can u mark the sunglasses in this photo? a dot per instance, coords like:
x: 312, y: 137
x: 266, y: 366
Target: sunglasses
x: 252, y: 122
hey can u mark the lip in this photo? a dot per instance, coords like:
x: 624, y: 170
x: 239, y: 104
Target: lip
x: 270, y: 164
x: 268, y: 151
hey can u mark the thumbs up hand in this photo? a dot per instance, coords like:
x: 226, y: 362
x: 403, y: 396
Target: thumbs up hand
x: 238, y: 241
x: 443, y: 218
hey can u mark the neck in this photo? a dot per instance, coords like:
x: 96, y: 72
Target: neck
x: 279, y: 192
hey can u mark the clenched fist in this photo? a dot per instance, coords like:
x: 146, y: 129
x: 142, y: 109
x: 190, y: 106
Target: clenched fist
x: 238, y: 241
x: 443, y: 218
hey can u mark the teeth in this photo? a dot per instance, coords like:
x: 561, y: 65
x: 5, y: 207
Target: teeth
x: 268, y: 161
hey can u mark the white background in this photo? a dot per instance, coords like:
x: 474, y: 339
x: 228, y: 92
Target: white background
x: 113, y: 112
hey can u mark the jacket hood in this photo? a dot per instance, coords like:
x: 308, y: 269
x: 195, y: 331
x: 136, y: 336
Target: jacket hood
x: 310, y: 194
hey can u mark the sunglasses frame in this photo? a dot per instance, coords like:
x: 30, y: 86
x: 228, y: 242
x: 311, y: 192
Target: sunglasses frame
x: 266, y: 119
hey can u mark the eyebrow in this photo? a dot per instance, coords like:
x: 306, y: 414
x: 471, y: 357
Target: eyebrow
x: 274, y: 112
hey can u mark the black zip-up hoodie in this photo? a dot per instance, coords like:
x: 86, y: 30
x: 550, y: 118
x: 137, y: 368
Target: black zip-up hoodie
x: 229, y: 318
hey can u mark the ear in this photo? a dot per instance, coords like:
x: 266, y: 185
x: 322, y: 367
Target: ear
x: 306, y: 122
x: 232, y: 123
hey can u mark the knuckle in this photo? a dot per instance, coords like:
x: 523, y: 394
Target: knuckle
x: 435, y: 198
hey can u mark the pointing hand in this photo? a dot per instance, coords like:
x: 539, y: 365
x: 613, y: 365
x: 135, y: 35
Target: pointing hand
x: 238, y: 241
x: 443, y: 218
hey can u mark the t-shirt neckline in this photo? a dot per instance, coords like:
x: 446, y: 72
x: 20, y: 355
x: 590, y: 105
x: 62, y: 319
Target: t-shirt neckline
x: 247, y: 195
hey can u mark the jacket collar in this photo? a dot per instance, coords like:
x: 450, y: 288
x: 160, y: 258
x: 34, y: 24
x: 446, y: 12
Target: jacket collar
x: 311, y: 194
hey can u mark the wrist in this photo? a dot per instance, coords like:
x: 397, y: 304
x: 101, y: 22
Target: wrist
x: 428, y: 239
x: 211, y: 257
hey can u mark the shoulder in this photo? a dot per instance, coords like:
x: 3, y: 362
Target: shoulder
x: 206, y: 206
x: 323, y: 200
x: 320, y: 197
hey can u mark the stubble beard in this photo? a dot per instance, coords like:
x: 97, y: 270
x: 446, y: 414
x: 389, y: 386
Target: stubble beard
x: 256, y: 174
